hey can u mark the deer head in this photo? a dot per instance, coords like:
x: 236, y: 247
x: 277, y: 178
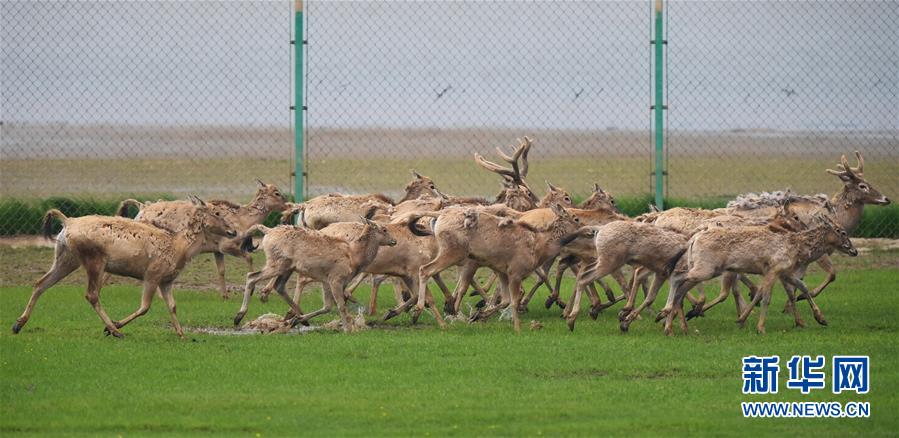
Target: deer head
x: 565, y: 222
x: 378, y: 232
x: 420, y: 186
x: 213, y: 221
x: 600, y: 200
x: 835, y: 236
x: 556, y: 195
x: 518, y: 171
x: 269, y: 197
x: 855, y: 188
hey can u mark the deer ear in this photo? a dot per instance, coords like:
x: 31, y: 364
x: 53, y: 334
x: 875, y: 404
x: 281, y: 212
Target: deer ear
x: 260, y: 183
x: 596, y: 188
x: 416, y: 174
x: 195, y: 200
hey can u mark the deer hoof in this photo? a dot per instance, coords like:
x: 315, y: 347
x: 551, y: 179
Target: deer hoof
x: 238, y: 318
x: 390, y: 314
x: 821, y: 320
x: 549, y: 302
x: 694, y: 312
x: 16, y: 328
x: 113, y: 332
x: 560, y: 303
x: 262, y: 297
x: 624, y: 326
x: 571, y: 325
x: 662, y: 315
x: 448, y: 308
x: 480, y: 304
x: 522, y: 309
x: 415, y: 315
x: 594, y: 312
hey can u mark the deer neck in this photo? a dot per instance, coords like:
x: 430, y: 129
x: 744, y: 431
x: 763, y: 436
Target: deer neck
x: 849, y: 210
x: 187, y: 244
x: 253, y: 213
x: 810, y: 244
x: 363, y: 250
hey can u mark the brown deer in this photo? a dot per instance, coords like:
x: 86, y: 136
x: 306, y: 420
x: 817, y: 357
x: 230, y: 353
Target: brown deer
x: 329, y: 260
x: 129, y: 248
x: 849, y: 204
x: 758, y: 250
x: 175, y: 215
x: 510, y: 248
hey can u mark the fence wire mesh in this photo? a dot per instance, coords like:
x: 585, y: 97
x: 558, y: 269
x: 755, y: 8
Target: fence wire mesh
x: 107, y: 100
x: 150, y: 99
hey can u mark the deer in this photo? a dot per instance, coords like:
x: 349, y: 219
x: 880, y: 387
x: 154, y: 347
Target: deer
x: 849, y: 204
x: 329, y: 260
x: 121, y: 246
x: 174, y: 215
x: 324, y: 210
x: 510, y: 248
x: 776, y: 255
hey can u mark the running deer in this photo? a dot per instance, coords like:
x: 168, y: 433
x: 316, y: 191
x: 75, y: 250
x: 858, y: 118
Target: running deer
x: 329, y: 260
x: 510, y: 248
x: 129, y: 248
x: 175, y: 215
x: 849, y: 204
x: 776, y: 255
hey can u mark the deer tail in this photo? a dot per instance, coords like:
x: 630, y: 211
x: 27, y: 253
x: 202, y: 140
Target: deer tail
x: 47, y: 227
x: 123, y: 207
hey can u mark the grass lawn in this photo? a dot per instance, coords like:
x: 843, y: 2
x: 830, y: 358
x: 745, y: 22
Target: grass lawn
x: 62, y: 376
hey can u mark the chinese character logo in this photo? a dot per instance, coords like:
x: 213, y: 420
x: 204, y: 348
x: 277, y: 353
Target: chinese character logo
x: 850, y: 373
x: 760, y: 374
x: 806, y: 374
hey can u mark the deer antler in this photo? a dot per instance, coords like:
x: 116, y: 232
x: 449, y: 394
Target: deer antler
x: 518, y: 172
x: 845, y: 171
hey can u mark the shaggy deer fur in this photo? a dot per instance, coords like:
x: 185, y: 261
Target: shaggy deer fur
x: 129, y: 248
x: 330, y: 260
x: 510, y: 248
x: 174, y: 215
x: 757, y: 250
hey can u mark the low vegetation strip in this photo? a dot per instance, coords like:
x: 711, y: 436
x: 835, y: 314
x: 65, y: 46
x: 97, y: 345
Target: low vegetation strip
x: 19, y: 216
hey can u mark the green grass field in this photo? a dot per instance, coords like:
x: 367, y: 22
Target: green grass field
x: 62, y: 376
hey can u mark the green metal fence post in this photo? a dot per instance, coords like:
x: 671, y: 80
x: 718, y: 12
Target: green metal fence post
x: 299, y: 104
x: 659, y: 108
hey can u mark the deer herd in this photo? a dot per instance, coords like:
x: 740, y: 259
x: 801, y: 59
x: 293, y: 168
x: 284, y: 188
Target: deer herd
x: 339, y: 240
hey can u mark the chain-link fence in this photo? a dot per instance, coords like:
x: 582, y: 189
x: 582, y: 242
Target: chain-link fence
x: 102, y: 101
x: 105, y: 100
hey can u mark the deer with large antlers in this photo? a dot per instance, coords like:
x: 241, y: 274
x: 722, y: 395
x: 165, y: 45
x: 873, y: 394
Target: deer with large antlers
x: 849, y: 204
x: 121, y: 246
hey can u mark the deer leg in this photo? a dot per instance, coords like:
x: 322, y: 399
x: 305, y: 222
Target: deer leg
x: 64, y: 264
x: 465, y: 278
x: 501, y: 293
x: 267, y: 271
x: 791, y: 297
x: 94, y: 268
x: 586, y: 276
x: 515, y: 293
x: 166, y: 290
x: 433, y: 306
x: 826, y: 264
x: 376, y: 281
x: 441, y: 262
x: 145, y: 300
x: 447, y: 295
x: 542, y: 280
x: 554, y: 293
x: 327, y: 304
x: 401, y: 304
x: 727, y: 283
x: 220, y: 269
x: 657, y: 281
x: 631, y: 293
x: 357, y: 280
x: 816, y: 311
x: 767, y: 284
x: 336, y: 290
